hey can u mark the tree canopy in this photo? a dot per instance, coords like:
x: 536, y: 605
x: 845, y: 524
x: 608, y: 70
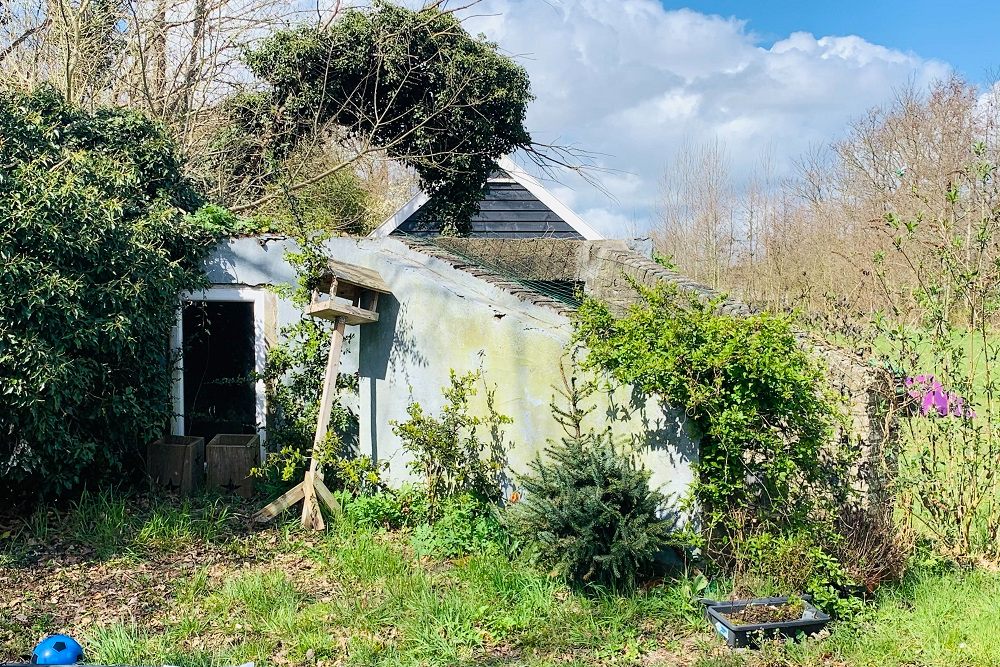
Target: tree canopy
x: 412, y: 84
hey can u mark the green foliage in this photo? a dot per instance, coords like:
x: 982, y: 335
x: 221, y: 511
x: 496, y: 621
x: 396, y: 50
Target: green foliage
x: 388, y: 509
x: 592, y: 514
x: 589, y: 509
x: 466, y: 525
x: 774, y: 565
x: 112, y: 523
x: 463, y: 524
x: 413, y: 83
x: 333, y: 205
x: 943, y: 325
x: 758, y: 399
x: 359, y: 475
x: 95, y: 247
x: 448, y: 453
x: 293, y: 376
x: 294, y: 372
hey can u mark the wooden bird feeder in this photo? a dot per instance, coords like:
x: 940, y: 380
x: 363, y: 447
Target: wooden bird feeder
x: 348, y: 294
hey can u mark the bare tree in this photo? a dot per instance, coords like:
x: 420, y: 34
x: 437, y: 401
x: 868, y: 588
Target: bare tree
x: 698, y: 212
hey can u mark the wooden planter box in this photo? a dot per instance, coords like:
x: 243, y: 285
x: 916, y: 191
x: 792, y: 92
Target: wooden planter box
x: 230, y: 460
x: 176, y: 463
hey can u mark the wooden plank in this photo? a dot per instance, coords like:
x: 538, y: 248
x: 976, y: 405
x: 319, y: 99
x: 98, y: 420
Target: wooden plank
x: 332, y: 310
x: 517, y: 216
x: 508, y: 191
x: 286, y: 500
x: 538, y: 229
x: 229, y: 460
x: 312, y: 518
x: 358, y: 275
x: 512, y: 205
x: 324, y: 494
x: 329, y: 387
x: 492, y: 234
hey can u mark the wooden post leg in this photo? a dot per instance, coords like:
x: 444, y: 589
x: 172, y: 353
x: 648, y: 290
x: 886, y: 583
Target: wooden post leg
x: 289, y: 498
x: 312, y: 517
x: 324, y: 494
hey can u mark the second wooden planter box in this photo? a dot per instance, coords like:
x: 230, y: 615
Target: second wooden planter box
x: 230, y: 458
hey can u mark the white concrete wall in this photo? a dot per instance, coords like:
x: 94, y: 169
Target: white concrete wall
x: 439, y: 318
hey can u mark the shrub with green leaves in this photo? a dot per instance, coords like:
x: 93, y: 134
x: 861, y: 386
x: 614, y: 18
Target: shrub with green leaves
x: 96, y: 245
x: 293, y: 375
x: 760, y: 402
x: 390, y: 509
x: 413, y: 83
x: 448, y: 452
x: 466, y: 525
x: 770, y: 565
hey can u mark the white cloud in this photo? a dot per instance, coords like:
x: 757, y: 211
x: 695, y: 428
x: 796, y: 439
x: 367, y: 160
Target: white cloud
x: 631, y: 80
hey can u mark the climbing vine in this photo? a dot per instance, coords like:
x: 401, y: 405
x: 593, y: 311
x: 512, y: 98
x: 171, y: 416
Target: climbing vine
x: 745, y: 383
x: 294, y: 372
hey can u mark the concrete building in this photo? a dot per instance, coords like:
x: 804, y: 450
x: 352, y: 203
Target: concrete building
x: 500, y: 301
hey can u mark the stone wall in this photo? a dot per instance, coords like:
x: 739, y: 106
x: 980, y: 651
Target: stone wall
x: 871, y: 433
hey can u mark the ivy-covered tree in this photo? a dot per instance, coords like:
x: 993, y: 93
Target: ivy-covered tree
x: 412, y: 85
x: 96, y: 244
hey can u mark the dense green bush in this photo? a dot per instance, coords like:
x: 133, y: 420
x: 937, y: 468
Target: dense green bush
x: 405, y: 507
x: 411, y: 82
x: 466, y: 525
x: 760, y: 402
x: 96, y: 245
x: 588, y: 508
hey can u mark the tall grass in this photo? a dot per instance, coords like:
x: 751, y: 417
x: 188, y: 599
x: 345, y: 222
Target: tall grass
x: 932, y: 619
x: 112, y: 523
x: 370, y: 601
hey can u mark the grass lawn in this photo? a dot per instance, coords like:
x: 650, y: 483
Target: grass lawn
x: 154, y: 582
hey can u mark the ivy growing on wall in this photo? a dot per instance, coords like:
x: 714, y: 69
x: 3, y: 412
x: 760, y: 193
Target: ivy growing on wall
x: 294, y: 372
x: 757, y: 398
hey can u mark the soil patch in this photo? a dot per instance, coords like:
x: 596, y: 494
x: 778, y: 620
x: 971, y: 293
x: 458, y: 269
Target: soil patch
x: 755, y: 614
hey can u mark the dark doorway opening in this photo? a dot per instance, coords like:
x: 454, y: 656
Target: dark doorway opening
x: 219, y: 387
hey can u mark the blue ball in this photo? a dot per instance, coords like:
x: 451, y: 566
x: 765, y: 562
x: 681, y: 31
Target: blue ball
x: 57, y: 650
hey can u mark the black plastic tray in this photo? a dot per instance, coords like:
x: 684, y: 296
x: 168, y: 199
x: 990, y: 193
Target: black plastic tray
x: 739, y: 636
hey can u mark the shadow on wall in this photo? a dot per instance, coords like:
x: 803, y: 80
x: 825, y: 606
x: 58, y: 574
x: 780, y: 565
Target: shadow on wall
x: 389, y: 343
x: 249, y: 262
x: 666, y: 429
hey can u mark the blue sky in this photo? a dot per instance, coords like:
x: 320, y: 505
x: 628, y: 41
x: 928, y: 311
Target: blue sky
x: 637, y: 81
x: 960, y: 32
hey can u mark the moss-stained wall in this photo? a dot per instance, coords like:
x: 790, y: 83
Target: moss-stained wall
x: 439, y: 318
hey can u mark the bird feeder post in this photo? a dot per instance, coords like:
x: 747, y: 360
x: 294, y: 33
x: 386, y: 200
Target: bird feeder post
x: 348, y: 295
